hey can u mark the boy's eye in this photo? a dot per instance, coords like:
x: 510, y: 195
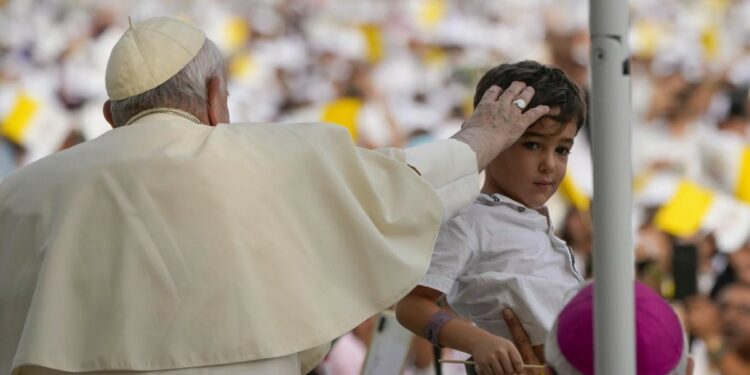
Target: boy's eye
x: 531, y: 145
x: 563, y: 151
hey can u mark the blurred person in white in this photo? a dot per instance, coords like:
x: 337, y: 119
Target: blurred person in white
x: 722, y: 155
x: 668, y: 138
x: 724, y: 328
x: 180, y: 243
x: 370, y: 121
x: 502, y: 252
x: 576, y: 231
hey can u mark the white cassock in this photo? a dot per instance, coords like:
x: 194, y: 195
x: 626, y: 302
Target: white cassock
x: 170, y: 247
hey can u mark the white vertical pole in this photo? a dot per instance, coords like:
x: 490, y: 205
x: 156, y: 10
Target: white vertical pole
x: 614, y: 339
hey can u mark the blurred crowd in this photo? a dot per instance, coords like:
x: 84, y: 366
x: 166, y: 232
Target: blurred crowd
x: 402, y: 72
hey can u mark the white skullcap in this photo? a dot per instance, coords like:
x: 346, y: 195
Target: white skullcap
x: 150, y: 53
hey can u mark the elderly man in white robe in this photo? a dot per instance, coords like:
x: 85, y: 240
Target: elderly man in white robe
x: 179, y: 243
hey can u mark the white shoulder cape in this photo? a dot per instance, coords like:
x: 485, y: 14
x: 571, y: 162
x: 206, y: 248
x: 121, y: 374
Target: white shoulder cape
x: 166, y: 244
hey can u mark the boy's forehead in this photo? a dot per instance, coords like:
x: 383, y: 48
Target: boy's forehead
x: 549, y: 127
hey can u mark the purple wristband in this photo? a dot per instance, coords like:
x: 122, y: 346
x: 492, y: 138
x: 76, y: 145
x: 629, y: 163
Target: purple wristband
x: 436, y: 323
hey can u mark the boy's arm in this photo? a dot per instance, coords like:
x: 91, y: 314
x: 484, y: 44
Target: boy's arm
x: 491, y: 353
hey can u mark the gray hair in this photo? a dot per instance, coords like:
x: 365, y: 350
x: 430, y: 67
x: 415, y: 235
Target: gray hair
x: 557, y: 361
x: 186, y: 90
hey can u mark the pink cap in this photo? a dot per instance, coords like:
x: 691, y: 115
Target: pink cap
x: 659, y: 337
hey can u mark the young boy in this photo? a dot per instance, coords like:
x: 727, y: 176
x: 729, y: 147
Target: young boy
x: 502, y: 252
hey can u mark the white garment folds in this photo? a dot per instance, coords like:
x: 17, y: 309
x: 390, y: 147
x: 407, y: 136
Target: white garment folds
x: 165, y: 244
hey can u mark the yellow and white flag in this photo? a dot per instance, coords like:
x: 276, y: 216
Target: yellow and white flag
x: 689, y: 208
x: 683, y: 213
x: 430, y: 13
x: 344, y: 112
x: 574, y: 195
x: 16, y: 123
x: 373, y: 36
x: 578, y: 185
x: 742, y: 187
x: 727, y: 162
x: 36, y: 124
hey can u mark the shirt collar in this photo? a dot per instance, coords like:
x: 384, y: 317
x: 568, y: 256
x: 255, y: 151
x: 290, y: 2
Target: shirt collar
x: 500, y: 199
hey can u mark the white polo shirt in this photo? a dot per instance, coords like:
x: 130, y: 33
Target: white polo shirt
x: 499, y: 253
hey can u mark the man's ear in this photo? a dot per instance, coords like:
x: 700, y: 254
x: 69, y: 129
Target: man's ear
x: 107, y: 109
x: 217, y: 102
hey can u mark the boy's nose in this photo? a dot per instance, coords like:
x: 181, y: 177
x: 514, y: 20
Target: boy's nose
x: 547, y: 164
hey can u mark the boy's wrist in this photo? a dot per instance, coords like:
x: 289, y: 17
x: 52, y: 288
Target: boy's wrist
x: 476, y: 338
x: 435, y: 325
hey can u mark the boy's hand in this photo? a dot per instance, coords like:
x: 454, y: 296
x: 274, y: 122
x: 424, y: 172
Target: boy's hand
x: 495, y: 355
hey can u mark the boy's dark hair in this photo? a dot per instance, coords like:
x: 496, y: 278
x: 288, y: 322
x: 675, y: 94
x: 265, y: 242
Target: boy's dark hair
x: 551, y: 88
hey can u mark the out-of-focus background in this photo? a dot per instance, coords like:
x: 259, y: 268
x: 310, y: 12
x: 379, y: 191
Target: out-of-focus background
x: 400, y: 73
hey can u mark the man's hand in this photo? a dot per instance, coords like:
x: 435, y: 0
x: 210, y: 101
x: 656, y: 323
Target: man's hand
x: 496, y: 122
x: 531, y: 355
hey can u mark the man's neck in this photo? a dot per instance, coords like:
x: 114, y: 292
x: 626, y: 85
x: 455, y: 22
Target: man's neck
x: 165, y: 111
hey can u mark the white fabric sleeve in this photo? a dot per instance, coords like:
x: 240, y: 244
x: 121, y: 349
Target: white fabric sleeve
x: 454, y: 248
x: 449, y: 166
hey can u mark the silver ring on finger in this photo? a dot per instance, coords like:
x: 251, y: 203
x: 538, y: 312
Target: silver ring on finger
x: 520, y: 103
